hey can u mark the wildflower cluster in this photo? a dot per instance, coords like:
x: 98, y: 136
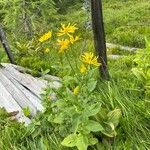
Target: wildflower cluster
x: 87, y: 60
x: 65, y: 38
x: 77, y: 93
x: 66, y: 32
x: 45, y: 37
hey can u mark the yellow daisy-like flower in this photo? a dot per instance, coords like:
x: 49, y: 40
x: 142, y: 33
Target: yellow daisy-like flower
x: 64, y: 44
x: 45, y: 37
x: 74, y: 39
x: 76, y: 90
x: 67, y: 29
x: 47, y: 50
x: 90, y: 59
x: 83, y: 69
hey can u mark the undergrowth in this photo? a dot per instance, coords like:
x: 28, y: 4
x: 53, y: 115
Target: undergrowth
x: 89, y: 113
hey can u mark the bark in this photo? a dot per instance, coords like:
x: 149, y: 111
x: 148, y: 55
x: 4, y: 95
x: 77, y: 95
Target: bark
x: 99, y: 36
x: 6, y: 46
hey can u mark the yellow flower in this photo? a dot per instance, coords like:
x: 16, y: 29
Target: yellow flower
x: 83, y: 69
x: 90, y: 59
x: 45, y: 37
x: 49, y: 97
x: 47, y: 50
x: 74, y: 39
x: 76, y: 90
x: 64, y: 44
x: 67, y: 29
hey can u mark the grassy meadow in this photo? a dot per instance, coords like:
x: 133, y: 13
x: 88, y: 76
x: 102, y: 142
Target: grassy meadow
x: 89, y: 113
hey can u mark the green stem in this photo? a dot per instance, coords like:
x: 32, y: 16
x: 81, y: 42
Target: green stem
x: 69, y: 62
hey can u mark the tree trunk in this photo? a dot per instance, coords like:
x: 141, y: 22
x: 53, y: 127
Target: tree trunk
x: 99, y: 36
x: 5, y: 44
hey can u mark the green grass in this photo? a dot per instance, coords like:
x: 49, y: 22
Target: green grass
x: 126, y: 23
x: 122, y: 91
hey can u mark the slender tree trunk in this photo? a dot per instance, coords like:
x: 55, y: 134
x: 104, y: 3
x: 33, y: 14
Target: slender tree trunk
x: 5, y: 44
x: 99, y: 36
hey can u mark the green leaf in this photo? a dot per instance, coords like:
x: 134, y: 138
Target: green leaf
x: 59, y: 118
x: 110, y: 133
x: 26, y: 111
x: 93, y: 126
x: 70, y: 140
x: 93, y: 141
x: 139, y: 74
x: 92, y: 110
x: 91, y: 85
x: 78, y: 140
x: 114, y: 116
x: 82, y: 143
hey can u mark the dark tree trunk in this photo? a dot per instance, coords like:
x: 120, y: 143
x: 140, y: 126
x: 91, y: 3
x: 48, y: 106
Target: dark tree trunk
x: 99, y: 36
x: 5, y: 44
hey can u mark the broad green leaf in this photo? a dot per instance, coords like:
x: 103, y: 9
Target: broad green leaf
x: 78, y: 140
x: 70, y: 140
x: 93, y: 141
x: 92, y: 110
x: 110, y: 133
x: 114, y: 116
x: 59, y: 118
x: 93, y: 126
x: 82, y: 142
x: 91, y: 85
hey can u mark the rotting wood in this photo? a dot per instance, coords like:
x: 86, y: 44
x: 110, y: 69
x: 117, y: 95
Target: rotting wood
x: 7, y: 102
x: 16, y: 93
x: 34, y: 99
x: 10, y: 105
x: 31, y: 97
x: 22, y: 88
x: 33, y: 84
x: 29, y: 71
x: 53, y: 81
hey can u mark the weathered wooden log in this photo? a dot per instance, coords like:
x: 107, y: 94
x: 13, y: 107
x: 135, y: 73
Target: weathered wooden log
x: 6, y: 46
x: 20, y: 90
x: 9, y: 103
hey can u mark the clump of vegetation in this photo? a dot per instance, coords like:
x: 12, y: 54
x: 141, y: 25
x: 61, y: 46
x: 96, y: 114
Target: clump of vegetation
x: 88, y: 113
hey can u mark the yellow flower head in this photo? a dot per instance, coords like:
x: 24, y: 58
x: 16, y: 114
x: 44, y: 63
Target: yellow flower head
x: 45, y: 37
x: 76, y: 90
x: 90, y: 59
x: 74, y: 39
x: 83, y: 69
x: 47, y: 50
x: 67, y: 29
x: 64, y: 44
